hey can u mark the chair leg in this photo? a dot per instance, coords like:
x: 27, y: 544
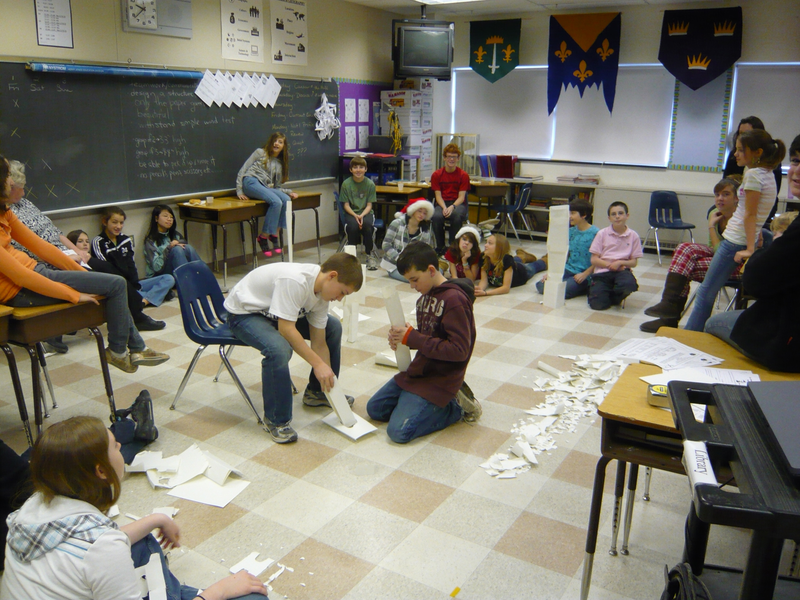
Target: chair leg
x: 228, y: 353
x: 188, y: 374
x: 658, y: 245
x: 239, y: 385
x: 646, y: 237
x: 23, y: 410
x: 732, y: 301
x: 511, y: 220
x: 101, y: 350
x: 43, y: 363
x: 648, y: 475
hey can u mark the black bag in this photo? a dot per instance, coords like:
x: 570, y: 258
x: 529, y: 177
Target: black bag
x: 682, y: 584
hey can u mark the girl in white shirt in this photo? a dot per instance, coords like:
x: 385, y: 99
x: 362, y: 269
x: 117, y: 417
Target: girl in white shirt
x: 759, y: 154
x: 61, y: 545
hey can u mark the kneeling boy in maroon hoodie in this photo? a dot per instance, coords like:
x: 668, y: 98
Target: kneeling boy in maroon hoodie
x: 427, y: 397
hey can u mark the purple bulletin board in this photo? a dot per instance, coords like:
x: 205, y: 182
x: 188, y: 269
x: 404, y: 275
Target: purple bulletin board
x: 355, y: 90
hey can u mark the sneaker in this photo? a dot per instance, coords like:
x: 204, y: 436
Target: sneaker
x: 123, y: 363
x: 56, y: 344
x: 171, y: 295
x: 148, y: 357
x: 281, y: 434
x: 469, y: 404
x: 263, y: 242
x: 372, y: 263
x: 444, y: 266
x: 318, y: 398
x: 526, y: 256
x: 147, y: 323
x: 276, y: 248
x: 142, y: 414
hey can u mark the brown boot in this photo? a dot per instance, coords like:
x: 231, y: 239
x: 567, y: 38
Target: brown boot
x: 654, y: 326
x: 672, y: 299
x: 544, y: 259
x: 526, y: 256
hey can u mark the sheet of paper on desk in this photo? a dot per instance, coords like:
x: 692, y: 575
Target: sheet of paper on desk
x: 662, y: 352
x: 703, y: 375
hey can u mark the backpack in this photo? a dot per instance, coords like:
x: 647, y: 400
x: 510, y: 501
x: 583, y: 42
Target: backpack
x: 682, y: 584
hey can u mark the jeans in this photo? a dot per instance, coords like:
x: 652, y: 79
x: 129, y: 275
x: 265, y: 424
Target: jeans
x: 275, y: 198
x: 610, y: 288
x: 365, y: 233
x: 154, y: 289
x: 531, y: 269
x: 719, y: 271
x: 721, y: 325
x: 262, y: 333
x: 409, y: 416
x: 457, y: 217
x: 121, y: 331
x: 140, y: 554
x: 177, y: 256
x: 574, y: 289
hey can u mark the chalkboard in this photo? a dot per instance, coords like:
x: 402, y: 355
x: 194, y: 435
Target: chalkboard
x: 91, y: 140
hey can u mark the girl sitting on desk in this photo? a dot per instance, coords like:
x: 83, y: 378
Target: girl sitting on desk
x: 262, y: 176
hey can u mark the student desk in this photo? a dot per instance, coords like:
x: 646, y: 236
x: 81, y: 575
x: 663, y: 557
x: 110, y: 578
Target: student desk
x: 220, y: 213
x: 308, y: 201
x: 390, y: 195
x: 633, y: 431
x: 487, y: 190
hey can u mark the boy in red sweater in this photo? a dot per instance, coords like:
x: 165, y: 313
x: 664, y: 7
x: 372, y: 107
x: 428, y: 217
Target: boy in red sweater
x: 428, y: 397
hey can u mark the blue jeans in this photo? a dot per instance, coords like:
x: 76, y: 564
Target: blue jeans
x: 275, y: 198
x: 396, y: 275
x: 611, y: 288
x: 531, y: 269
x: 154, y: 289
x: 457, y: 217
x: 177, y: 256
x: 574, y: 289
x: 719, y: 271
x: 409, y: 416
x: 261, y: 333
x: 148, y: 545
x: 364, y: 234
x: 721, y: 325
x: 121, y: 331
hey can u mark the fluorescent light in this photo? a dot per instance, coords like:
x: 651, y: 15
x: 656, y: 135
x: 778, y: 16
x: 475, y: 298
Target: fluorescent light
x: 431, y: 2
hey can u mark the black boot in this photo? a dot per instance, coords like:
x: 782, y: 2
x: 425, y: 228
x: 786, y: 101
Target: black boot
x: 672, y: 299
x: 142, y: 414
x: 654, y: 326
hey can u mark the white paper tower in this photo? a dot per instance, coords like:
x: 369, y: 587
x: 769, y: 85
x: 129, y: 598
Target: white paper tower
x: 397, y: 319
x: 557, y: 250
x: 352, y: 303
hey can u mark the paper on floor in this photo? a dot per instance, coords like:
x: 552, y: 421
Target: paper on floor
x: 358, y: 430
x: 205, y: 491
x: 252, y: 565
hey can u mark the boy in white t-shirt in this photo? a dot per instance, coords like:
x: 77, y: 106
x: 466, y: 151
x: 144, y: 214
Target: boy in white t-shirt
x: 274, y: 309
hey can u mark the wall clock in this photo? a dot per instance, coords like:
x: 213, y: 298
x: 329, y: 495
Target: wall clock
x: 158, y: 17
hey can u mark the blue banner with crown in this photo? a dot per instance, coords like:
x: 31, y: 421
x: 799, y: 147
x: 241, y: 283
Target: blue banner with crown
x: 697, y: 46
x: 583, y: 51
x: 494, y: 47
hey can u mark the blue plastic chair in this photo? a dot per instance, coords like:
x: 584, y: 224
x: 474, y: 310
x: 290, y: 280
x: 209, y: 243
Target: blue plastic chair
x: 665, y: 213
x: 509, y: 210
x: 205, y: 323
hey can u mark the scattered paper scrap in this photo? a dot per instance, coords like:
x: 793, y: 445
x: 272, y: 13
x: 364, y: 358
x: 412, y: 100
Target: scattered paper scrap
x: 205, y: 491
x: 252, y: 565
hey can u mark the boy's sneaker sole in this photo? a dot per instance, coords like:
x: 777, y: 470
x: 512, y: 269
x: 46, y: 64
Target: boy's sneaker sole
x: 148, y: 358
x: 123, y: 363
x: 281, y: 434
x: 314, y: 399
x: 469, y: 404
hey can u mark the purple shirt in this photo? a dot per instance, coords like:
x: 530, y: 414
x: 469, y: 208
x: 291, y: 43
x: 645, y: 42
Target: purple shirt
x: 610, y: 245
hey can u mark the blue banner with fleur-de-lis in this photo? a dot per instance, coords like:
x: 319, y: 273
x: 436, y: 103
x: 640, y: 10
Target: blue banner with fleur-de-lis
x: 494, y: 47
x: 583, y: 52
x: 697, y: 46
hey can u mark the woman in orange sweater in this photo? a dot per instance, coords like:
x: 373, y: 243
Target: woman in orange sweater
x: 24, y: 282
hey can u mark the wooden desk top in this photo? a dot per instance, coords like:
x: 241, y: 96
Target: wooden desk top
x: 226, y: 203
x: 627, y: 400
x: 5, y: 311
x: 387, y: 189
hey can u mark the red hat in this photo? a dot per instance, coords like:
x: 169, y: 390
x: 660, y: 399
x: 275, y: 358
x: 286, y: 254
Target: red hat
x: 415, y: 204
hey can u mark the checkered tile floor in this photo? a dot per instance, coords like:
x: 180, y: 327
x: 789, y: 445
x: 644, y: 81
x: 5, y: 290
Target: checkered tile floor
x: 372, y: 519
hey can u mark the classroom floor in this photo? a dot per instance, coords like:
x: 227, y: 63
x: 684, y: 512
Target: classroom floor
x: 372, y: 519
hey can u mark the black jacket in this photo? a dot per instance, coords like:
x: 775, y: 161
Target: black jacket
x: 769, y: 330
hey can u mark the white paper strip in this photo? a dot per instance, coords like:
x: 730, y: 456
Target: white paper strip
x: 397, y: 319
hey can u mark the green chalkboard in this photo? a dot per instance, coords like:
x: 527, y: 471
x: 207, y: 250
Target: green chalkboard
x: 90, y: 140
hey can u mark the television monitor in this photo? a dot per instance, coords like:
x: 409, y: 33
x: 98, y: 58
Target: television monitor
x: 423, y: 48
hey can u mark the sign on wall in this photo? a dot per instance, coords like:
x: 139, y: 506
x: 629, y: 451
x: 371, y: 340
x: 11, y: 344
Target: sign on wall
x: 242, y: 30
x: 289, y: 26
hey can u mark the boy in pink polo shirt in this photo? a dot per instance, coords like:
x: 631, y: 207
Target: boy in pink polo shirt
x: 615, y: 251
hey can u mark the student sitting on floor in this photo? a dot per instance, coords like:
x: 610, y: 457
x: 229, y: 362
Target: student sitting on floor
x: 411, y: 224
x: 274, y: 309
x: 427, y: 397
x: 499, y: 270
x: 615, y: 250
x: 61, y: 544
x: 464, y: 255
x: 116, y: 249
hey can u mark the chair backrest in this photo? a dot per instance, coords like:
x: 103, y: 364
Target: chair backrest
x: 523, y: 197
x: 664, y: 208
x: 196, y: 286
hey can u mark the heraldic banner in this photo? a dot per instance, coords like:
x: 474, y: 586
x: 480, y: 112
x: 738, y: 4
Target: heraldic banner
x: 494, y: 47
x: 584, y: 51
x: 697, y: 46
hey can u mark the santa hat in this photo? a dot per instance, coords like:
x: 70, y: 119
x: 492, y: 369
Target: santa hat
x: 415, y: 204
x: 469, y: 229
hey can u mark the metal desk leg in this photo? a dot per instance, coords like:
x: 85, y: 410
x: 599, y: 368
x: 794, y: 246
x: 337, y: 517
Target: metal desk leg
x: 214, y: 245
x: 23, y: 410
x: 594, y: 523
x: 254, y: 235
x: 619, y: 489
x: 48, y: 381
x: 101, y: 351
x: 633, y: 477
x: 648, y: 475
x: 38, y: 396
x: 241, y: 235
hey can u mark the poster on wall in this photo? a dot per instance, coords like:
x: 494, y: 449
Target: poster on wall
x: 54, y: 23
x: 289, y: 26
x: 242, y: 30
